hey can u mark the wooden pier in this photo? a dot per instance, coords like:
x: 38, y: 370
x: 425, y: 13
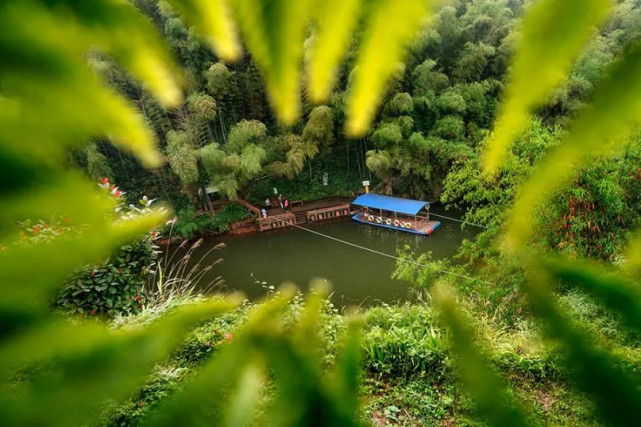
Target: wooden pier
x: 303, y: 213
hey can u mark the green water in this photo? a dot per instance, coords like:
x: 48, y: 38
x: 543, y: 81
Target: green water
x: 292, y: 255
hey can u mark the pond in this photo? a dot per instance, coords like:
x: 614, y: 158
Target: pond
x: 293, y: 255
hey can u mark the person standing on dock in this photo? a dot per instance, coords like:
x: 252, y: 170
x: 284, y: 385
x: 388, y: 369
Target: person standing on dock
x: 268, y: 203
x: 281, y: 201
x: 263, y: 212
x: 287, y: 205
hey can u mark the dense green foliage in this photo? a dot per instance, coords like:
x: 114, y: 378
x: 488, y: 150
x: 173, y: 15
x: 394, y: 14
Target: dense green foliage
x: 436, y: 111
x: 118, y: 286
x: 189, y: 224
x: 537, y: 324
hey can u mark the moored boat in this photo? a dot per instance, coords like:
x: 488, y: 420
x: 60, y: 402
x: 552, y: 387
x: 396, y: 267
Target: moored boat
x: 412, y: 216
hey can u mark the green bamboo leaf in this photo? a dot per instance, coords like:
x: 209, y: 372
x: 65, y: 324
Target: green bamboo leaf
x: 274, y: 32
x: 60, y: 193
x: 478, y: 378
x: 633, y: 253
x: 613, y: 388
x: 348, y: 370
x: 616, y: 293
x: 111, y: 367
x: 212, y: 19
x: 336, y: 20
x: 304, y: 399
x: 124, y: 32
x: 61, y: 257
x: 305, y: 333
x: 244, y: 400
x: 598, y: 130
x: 90, y: 108
x: 115, y: 27
x: 219, y: 374
x: 390, y: 26
x: 552, y: 35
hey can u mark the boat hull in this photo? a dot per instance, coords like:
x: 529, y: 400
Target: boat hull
x: 429, y: 231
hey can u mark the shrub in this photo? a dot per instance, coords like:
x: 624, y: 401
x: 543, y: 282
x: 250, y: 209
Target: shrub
x: 115, y: 287
x: 190, y: 223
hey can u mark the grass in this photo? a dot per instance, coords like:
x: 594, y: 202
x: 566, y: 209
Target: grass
x: 408, y: 375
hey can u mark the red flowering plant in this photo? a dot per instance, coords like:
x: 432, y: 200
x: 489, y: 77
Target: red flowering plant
x: 43, y: 231
x: 118, y: 284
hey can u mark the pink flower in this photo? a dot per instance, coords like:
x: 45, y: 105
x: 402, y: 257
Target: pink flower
x: 228, y: 336
x: 208, y: 344
x: 93, y: 312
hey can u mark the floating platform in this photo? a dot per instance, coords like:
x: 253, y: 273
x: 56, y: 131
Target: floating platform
x: 395, y: 213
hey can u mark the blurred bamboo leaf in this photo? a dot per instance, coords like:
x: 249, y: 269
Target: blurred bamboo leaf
x: 617, y: 294
x: 51, y: 101
x: 389, y: 26
x: 305, y: 333
x: 633, y: 253
x: 223, y: 370
x: 478, y: 378
x: 552, y: 36
x: 245, y: 398
x: 91, y: 107
x: 141, y: 51
x: 336, y: 20
x: 59, y: 193
x: 614, y: 389
x: 111, y: 367
x: 304, y: 396
x: 348, y: 369
x: 274, y: 32
x: 598, y: 130
x: 213, y: 20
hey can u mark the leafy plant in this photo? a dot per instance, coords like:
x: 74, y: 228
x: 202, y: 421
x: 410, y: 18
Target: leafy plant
x: 189, y: 223
x: 117, y: 286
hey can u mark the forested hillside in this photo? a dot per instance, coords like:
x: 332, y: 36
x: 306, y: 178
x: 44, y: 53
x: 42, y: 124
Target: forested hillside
x: 437, y: 110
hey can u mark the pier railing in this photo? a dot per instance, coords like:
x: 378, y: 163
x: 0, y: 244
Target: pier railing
x: 327, y: 213
x: 276, y: 221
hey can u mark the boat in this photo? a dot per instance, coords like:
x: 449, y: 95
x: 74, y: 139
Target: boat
x: 412, y: 216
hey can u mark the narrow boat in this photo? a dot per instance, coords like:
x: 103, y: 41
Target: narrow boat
x: 412, y: 216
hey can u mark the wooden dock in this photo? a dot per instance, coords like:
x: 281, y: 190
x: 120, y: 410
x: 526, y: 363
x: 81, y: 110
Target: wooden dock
x: 304, y: 213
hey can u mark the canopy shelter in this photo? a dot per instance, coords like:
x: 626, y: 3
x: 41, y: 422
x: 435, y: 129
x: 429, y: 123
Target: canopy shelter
x: 389, y: 203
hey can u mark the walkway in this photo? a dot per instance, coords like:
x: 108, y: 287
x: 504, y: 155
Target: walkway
x: 304, y: 212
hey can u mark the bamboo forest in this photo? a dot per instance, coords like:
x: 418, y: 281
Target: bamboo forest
x: 320, y: 213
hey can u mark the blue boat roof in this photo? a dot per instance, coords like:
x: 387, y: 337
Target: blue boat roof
x: 389, y: 203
